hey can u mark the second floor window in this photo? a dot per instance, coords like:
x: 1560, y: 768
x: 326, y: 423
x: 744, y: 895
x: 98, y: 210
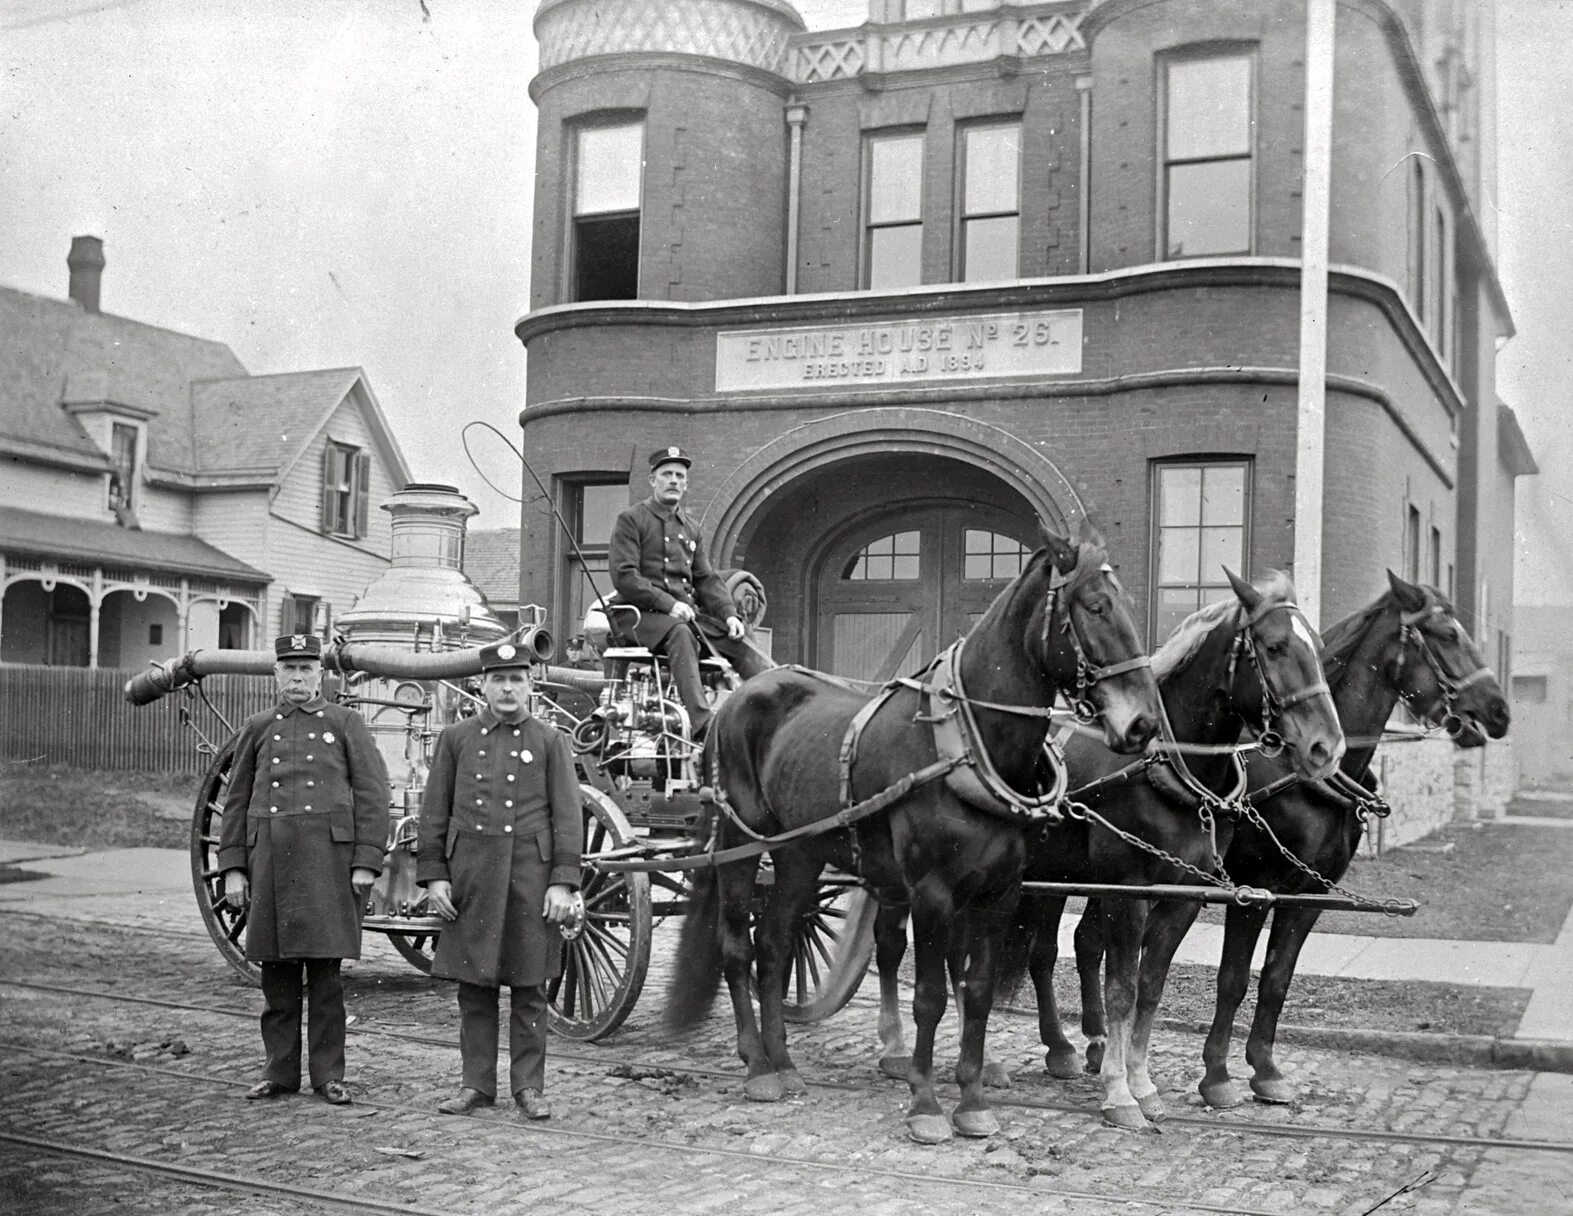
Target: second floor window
x: 990, y: 202
x: 608, y: 174
x: 346, y: 474
x: 1201, y: 512
x: 1208, y: 131
x: 123, y: 477
x: 893, y: 211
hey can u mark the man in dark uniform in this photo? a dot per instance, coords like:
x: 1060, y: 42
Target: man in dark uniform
x: 659, y: 565
x: 500, y: 842
x: 305, y: 827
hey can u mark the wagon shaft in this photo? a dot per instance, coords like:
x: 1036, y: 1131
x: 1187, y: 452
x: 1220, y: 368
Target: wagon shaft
x: 1223, y: 895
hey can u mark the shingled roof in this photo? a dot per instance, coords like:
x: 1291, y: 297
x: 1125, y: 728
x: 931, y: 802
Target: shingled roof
x: 204, y: 406
x: 491, y: 562
x: 49, y: 347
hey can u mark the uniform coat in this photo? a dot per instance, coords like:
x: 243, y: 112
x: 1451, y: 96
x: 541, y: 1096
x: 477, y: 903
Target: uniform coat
x: 307, y: 803
x: 657, y: 557
x: 501, y: 821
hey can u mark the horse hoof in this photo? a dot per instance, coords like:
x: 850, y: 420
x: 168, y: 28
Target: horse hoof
x: 1221, y: 1095
x: 1126, y: 1118
x: 766, y: 1088
x: 1151, y: 1105
x: 895, y: 1067
x: 1062, y: 1065
x: 792, y: 1084
x: 1275, y: 1091
x: 975, y: 1124
x: 928, y: 1129
x: 996, y: 1076
x: 1094, y: 1057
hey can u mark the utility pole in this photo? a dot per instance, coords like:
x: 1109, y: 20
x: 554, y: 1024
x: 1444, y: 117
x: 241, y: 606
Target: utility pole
x: 1311, y: 412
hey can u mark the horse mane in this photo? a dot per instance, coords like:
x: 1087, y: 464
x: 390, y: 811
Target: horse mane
x: 1187, y: 638
x: 1340, y: 640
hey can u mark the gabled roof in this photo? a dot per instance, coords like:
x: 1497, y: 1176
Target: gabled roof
x: 46, y: 344
x: 77, y: 540
x: 491, y: 562
x: 208, y: 419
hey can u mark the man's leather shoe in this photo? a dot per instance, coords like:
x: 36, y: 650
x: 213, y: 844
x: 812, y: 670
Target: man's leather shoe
x: 532, y: 1104
x: 268, y: 1089
x: 334, y: 1093
x: 463, y: 1102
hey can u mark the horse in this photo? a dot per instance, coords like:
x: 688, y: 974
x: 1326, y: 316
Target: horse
x: 1407, y: 646
x: 793, y: 751
x: 1251, y: 659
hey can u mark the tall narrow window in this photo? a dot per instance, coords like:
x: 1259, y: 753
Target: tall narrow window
x: 1208, y: 138
x: 123, y: 477
x: 1434, y: 559
x: 1201, y: 511
x: 346, y: 472
x: 893, y: 211
x: 1418, y: 249
x: 990, y: 202
x: 608, y: 169
x: 1440, y: 316
x: 591, y: 508
x: 1412, y: 543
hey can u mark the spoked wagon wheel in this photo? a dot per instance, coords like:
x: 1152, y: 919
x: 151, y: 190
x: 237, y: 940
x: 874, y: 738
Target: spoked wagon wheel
x: 415, y: 948
x: 830, y: 955
x: 226, y: 926
x: 604, y: 967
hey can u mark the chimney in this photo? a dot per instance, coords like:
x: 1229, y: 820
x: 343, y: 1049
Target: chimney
x: 86, y: 262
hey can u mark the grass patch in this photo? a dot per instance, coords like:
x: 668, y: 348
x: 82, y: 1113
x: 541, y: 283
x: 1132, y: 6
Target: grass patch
x: 92, y: 809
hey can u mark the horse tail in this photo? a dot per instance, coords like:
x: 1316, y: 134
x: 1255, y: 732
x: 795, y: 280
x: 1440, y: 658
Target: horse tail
x: 696, y: 972
x: 1015, y: 950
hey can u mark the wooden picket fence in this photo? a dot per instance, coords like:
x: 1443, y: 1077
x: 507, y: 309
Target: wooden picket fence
x: 79, y: 716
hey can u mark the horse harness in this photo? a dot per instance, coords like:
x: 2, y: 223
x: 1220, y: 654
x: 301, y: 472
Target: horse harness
x: 1409, y: 630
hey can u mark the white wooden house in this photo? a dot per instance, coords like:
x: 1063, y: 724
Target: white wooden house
x: 155, y: 496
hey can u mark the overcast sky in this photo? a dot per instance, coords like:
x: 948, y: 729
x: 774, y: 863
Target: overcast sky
x: 321, y: 183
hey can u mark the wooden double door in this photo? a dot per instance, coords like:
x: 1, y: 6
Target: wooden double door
x: 894, y: 589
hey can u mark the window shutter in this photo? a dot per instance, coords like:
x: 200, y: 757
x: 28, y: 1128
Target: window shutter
x: 362, y: 484
x: 287, y: 613
x: 327, y: 489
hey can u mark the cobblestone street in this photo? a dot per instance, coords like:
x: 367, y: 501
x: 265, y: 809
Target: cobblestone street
x: 139, y: 1041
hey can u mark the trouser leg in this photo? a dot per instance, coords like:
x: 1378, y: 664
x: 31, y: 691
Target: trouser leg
x: 478, y: 1037
x: 683, y: 657
x: 325, y: 1023
x: 743, y: 655
x: 281, y: 994
x: 527, y: 1038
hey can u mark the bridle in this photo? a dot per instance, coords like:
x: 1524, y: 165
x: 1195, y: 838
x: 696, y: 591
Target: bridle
x: 1270, y: 741
x: 1409, y: 631
x: 1088, y: 673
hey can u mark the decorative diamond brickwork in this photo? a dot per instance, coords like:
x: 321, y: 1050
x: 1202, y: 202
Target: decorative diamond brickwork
x: 723, y: 29
x: 1051, y: 35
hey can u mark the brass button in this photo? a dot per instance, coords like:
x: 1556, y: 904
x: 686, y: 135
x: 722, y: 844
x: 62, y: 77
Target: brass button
x: 311, y: 757
x: 510, y: 776
x: 311, y: 734
x: 274, y: 809
x: 483, y: 751
x: 508, y: 802
x: 275, y: 785
x: 308, y: 806
x: 311, y: 785
x: 276, y: 738
x: 507, y: 827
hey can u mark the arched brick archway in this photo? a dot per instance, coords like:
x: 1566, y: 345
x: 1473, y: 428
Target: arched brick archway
x: 815, y: 445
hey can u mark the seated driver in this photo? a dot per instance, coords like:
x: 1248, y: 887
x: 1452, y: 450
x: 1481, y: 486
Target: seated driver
x: 658, y: 564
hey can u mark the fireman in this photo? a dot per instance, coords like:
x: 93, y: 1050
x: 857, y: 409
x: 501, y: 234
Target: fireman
x: 501, y: 835
x: 305, y: 825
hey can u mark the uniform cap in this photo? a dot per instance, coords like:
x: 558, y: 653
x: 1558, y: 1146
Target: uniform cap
x: 669, y: 455
x: 505, y: 655
x: 297, y: 646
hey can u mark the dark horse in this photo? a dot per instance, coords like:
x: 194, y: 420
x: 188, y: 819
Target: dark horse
x: 777, y: 749
x: 1250, y: 660
x: 1406, y: 646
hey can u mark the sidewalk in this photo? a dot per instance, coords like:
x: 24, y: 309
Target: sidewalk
x: 151, y: 888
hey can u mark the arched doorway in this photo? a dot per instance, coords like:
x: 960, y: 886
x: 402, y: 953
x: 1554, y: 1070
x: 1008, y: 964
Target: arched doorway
x: 876, y: 561
x: 895, y: 588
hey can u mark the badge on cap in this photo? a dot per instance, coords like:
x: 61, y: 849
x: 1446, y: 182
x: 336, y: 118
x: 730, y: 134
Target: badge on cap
x: 506, y: 652
x: 297, y: 641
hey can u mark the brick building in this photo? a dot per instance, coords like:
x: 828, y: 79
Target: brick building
x: 910, y: 275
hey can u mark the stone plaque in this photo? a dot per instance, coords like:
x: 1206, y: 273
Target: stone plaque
x: 874, y: 354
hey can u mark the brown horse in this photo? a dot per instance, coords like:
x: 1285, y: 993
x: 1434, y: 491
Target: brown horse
x: 1406, y: 646
x: 1251, y: 660
x: 785, y: 754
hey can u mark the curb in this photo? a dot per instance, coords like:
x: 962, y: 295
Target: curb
x: 1474, y: 1050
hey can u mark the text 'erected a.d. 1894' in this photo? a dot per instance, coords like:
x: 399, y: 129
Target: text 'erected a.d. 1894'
x: 878, y: 353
